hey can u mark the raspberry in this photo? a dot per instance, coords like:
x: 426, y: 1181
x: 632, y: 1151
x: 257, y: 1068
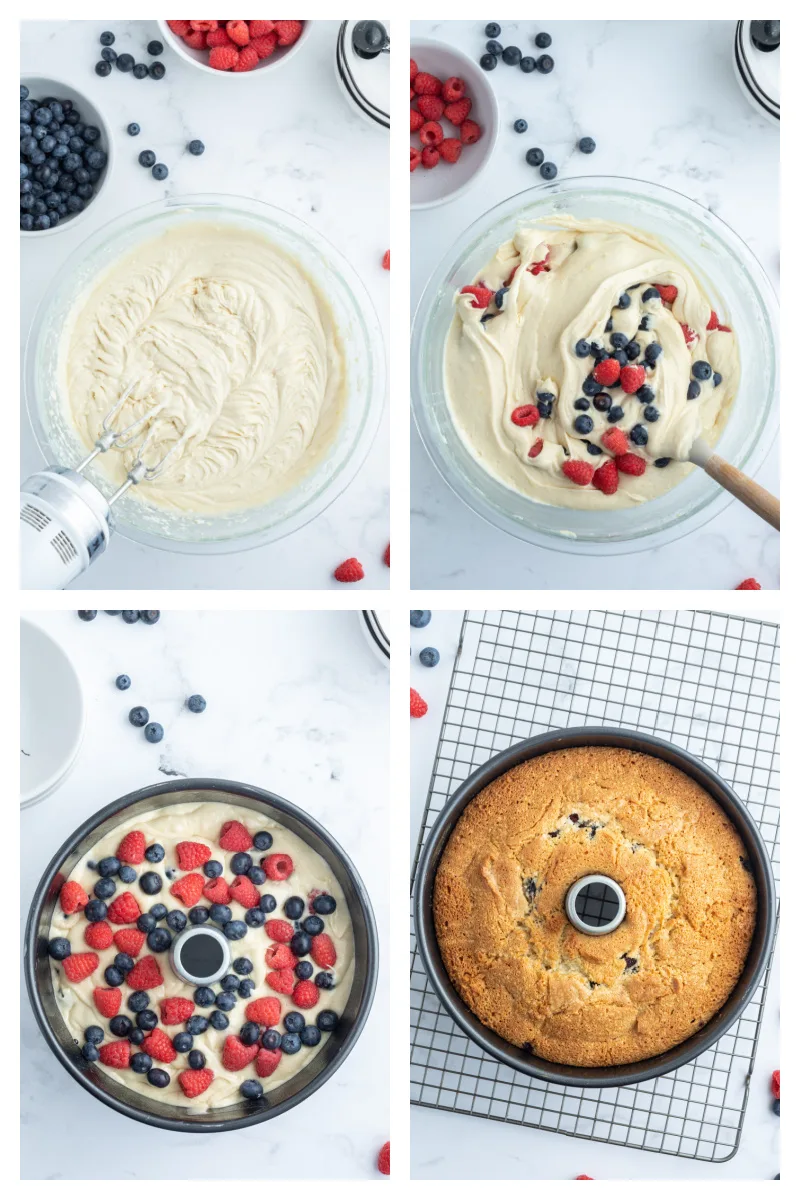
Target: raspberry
x: 305, y: 994
x: 526, y: 414
x: 713, y: 321
x: 606, y: 372
x: 145, y: 974
x: 450, y: 150
x: 248, y: 58
x: 536, y: 448
x: 158, y: 1046
x: 280, y: 931
x: 116, y: 1054
x: 470, y: 132
x: 223, y: 58
x: 107, y: 1001
x: 234, y: 836
x: 631, y: 378
x: 217, y: 891
x: 264, y: 46
x: 202, y: 26
x: 631, y: 464
x: 180, y: 27
x: 266, y: 1062
x: 72, y: 898
x: 278, y: 867
x: 775, y: 1084
x: 431, y: 107
x: 615, y: 441
x: 218, y: 37
x: 189, y: 889
x: 418, y: 705
x: 453, y: 89
x: 288, y: 32
x: 431, y: 133
x: 458, y: 111
x: 282, y: 981
x: 606, y: 478
x: 386, y: 261
x: 260, y: 28
x: 124, y: 909
x: 176, y: 1009
x: 383, y: 1159
x: 196, y: 39
x: 349, y: 571
x: 244, y: 892
x: 584, y: 1176
x: 416, y: 157
x: 78, y: 967
x: 724, y: 329
x: 427, y: 85
x: 323, y: 951
x: 482, y: 295
x: 266, y: 1011
x: 414, y: 70
x: 193, y: 1083
x: 386, y: 555
x: 238, y: 32
x: 543, y: 264
x: 668, y: 292
x: 417, y: 120
x: 278, y: 957
x: 99, y: 935
x: 430, y: 158
x: 191, y: 855
x: 129, y: 941
x: 689, y: 334
x: 578, y: 471
x: 132, y: 847
x: 748, y: 585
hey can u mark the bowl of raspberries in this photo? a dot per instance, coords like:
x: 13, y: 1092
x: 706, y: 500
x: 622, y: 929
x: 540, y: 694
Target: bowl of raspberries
x: 235, y: 47
x: 454, y: 123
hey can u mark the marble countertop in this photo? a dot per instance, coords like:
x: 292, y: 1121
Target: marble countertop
x: 686, y: 125
x: 447, y: 1145
x: 298, y: 704
x: 292, y: 142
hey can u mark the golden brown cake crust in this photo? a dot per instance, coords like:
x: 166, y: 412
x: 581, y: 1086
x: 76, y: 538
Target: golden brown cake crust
x: 570, y: 997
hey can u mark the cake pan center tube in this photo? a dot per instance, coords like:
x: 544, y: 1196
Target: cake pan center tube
x: 595, y: 904
x: 200, y: 956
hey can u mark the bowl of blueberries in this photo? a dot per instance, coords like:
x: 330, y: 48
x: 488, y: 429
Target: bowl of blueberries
x: 65, y: 155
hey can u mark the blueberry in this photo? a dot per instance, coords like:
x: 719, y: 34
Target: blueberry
x: 262, y: 840
x: 59, y: 948
x: 241, y: 863
x: 150, y: 616
x: 147, y: 158
x: 94, y: 1034
x: 95, y: 911
x: 151, y: 883
x: 154, y: 732
x: 290, y: 1043
x: 159, y: 911
x: 494, y: 47
x: 90, y: 1052
x: 645, y: 323
x: 701, y: 370
x: 160, y: 171
x: 619, y: 341
x: 327, y: 1020
x: 609, y: 325
x: 196, y: 704
x: 548, y: 170
x: 234, y: 930
x: 621, y: 357
x: 177, y: 921
x: 268, y: 903
x: 646, y: 394
x: 197, y: 1060
x: 310, y: 1036
x: 87, y: 614
x: 300, y: 944
x: 581, y: 404
x: 633, y: 350
x: 488, y: 62
x: 107, y: 39
x: 520, y: 126
x: 109, y: 55
x: 651, y: 413
x: 155, y: 48
x: 125, y: 62
x: 225, y: 1001
x: 139, y: 716
x: 584, y: 424
x: 255, y: 918
x: 591, y: 448
x: 243, y: 966
x: 615, y: 414
x: 134, y: 129
x: 257, y: 875
x: 108, y: 865
x: 159, y: 940
x: 582, y: 348
x: 313, y: 925
x: 493, y: 30
x: 136, y: 1037
x: 324, y: 904
x: 229, y: 983
x: 639, y: 435
x: 511, y: 55
x: 196, y: 147
x: 717, y: 379
x: 534, y: 157
x: 602, y: 402
x: 127, y: 874
x: 545, y: 64
x: 158, y: 1078
x: 246, y: 988
x: 138, y: 1001
x: 271, y: 1039
x: 650, y: 293
x: 141, y: 1063
x: 293, y: 907
x: 420, y: 617
x: 204, y: 996
x: 196, y: 1025
x: 113, y: 976
x: 527, y: 64
x: 102, y: 67
x: 123, y: 962
x: 591, y: 387
x: 220, y: 914
x: 304, y: 969
x: 146, y: 921
x: 120, y: 1026
x: 776, y: 1107
x: 251, y: 1089
x: 198, y: 915
x: 587, y: 145
x: 131, y: 615
x: 157, y: 70
x: 104, y: 888
x: 212, y: 869
x: 293, y: 1022
x: 693, y: 390
x: 662, y: 462
x: 183, y: 1042
x: 23, y: 92
x: 219, y: 1020
x: 544, y: 402
x: 249, y: 1033
x: 652, y: 352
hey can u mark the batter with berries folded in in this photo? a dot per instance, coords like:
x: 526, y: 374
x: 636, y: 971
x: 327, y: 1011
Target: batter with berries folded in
x: 584, y: 362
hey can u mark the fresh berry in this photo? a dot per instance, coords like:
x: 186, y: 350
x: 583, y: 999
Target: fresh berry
x: 278, y: 956
x: 176, y: 1009
x: 266, y: 1062
x: 98, y: 935
x: 668, y: 292
x: 416, y: 157
x: 217, y: 891
x: 282, y: 981
x: 457, y: 112
x: 265, y: 1011
x: 584, y: 1176
x: 689, y: 334
x: 248, y: 58
x: 116, y: 1054
x: 323, y: 950
x: 427, y: 85
x: 526, y: 414
x: 234, y: 836
x: 280, y: 931
x: 129, y: 941
x: 418, y: 705
x: 607, y: 372
x: 124, y: 909
x: 132, y: 847
x: 453, y: 89
x: 748, y: 585
x: 470, y: 132
x: 431, y: 133
x: 223, y: 58
x: 194, y: 1083
x: 278, y: 867
x: 615, y: 441
x: 80, y: 966
x: 578, y: 471
x: 238, y: 32
x: 631, y: 464
x: 386, y: 261
x: 191, y: 855
x: 587, y: 145
x: 775, y: 1084
x: 264, y: 46
x: 235, y: 1055
x: 548, y: 170
x: 181, y: 28
x: 159, y: 1046
x: 482, y: 296
x: 383, y: 1159
x: 349, y: 571
x: 288, y: 32
x: 631, y: 378
x: 450, y: 149
x: 107, y: 1001
x: 189, y: 889
x: 145, y: 975
x: 430, y: 108
x: 414, y: 69
x: 606, y: 478
x: 430, y: 158
x: 72, y: 898
x: 244, y: 893
x: 59, y: 948
x: 417, y: 120
x: 534, y: 157
x: 536, y: 448
x: 520, y: 125
x: 305, y: 994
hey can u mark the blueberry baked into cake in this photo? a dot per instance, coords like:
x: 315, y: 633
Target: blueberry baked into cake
x: 588, y: 999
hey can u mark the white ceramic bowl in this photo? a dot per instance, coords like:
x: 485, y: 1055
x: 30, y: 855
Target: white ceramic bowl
x: 52, y: 715
x: 40, y: 86
x: 199, y: 58
x: 448, y: 180
x: 376, y: 626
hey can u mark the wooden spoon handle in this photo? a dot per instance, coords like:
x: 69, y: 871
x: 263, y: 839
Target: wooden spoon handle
x: 745, y: 489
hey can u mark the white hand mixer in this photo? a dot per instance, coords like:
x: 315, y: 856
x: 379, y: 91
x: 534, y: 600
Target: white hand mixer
x: 65, y: 520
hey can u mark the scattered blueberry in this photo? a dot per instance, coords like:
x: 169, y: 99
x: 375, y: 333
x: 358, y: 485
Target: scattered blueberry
x: 633, y: 350
x: 108, y: 55
x: 310, y: 1036
x: 544, y: 402
x: 776, y: 1107
x: 123, y: 682
x: 157, y: 70
x: 644, y: 323
x: 102, y: 68
x: 229, y: 983
x: 146, y: 922
x: 624, y: 301
x: 177, y: 920
x: 548, y: 170
x: 494, y: 48
x: 619, y: 341
x: 650, y: 293
x: 534, y: 157
x: 158, y: 1078
x: 138, y: 1001
x: 327, y: 1020
x: 59, y: 948
x: 304, y: 969
x: 140, y: 71
x: 290, y: 1043
x: 591, y: 387
x: 251, y: 1089
x: 198, y: 915
x: 220, y: 914
x: 94, y: 1034
x: 246, y: 988
x: 262, y: 840
x: 701, y: 370
x: 196, y: 147
x: 584, y: 424
x: 543, y: 40
x: 95, y: 911
x: 487, y: 61
x: 125, y: 62
x: 218, y: 1020
x: 581, y: 404
x: 324, y: 904
x: 197, y: 1025
x: 615, y: 414
x: 241, y: 863
x: 582, y: 348
x: 693, y: 390
x: 662, y: 462
x: 638, y: 435
x: 87, y: 614
x: 159, y: 940
x: 493, y: 30
x: 196, y: 704
x: 107, y: 38
x: 587, y: 145
x: 120, y: 1026
x: 159, y: 911
x: 104, y: 889
x: 136, y: 1037
x: 520, y: 126
x: 257, y: 875
x: 645, y: 394
x: 234, y: 930
x: 141, y: 1063
x: 147, y: 1020
x: 717, y: 379
x: 150, y: 616
x: 527, y: 64
x: 249, y: 1033
x: 300, y: 944
x: 147, y: 158
x: 602, y: 402
x: 293, y: 907
x: 123, y: 962
x: 652, y: 353
x: 154, y: 732
x: 255, y: 918
x: 242, y: 966
x: 154, y: 853
x: 139, y: 716
x: 113, y: 976
x: 511, y: 55
x: 324, y: 981
x: 271, y: 1039
x: 151, y: 883
x: 293, y: 1022
x: 268, y: 903
x: 89, y: 1051
x: 127, y: 874
x: 212, y: 869
x: 183, y: 1042
x: 108, y: 865
x: 651, y: 413
x: 420, y: 617
x: 545, y: 64
x: 225, y: 1001
x: 197, y: 1060
x: 160, y: 171
x: 155, y: 48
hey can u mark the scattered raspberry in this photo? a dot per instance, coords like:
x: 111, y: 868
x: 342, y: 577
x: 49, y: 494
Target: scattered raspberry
x: 713, y: 321
x: 234, y: 836
x: 526, y: 414
x: 129, y: 941
x: 99, y: 936
x: 414, y: 70
x: 201, y: 26
x: 482, y: 296
x: 578, y: 471
x: 689, y: 334
x: 180, y: 27
x: 191, y: 855
x: 281, y: 981
x: 132, y: 847
x: 453, y: 89
x: 417, y: 120
x: 196, y: 39
x: 350, y: 571
x: 430, y: 107
x: 145, y: 974
x: 450, y: 150
x: 536, y: 448
x: 543, y: 264
x: 176, y: 1009
x: 217, y: 891
x: 631, y: 464
x: 668, y: 292
x: 248, y: 58
x: 323, y: 950
x: 277, y: 957
x: 457, y: 112
x: 278, y: 866
x: 264, y: 46
x: 238, y: 32
x: 416, y: 157
x: 427, y: 85
x: 266, y: 1011
x: 606, y: 372
x: 116, y: 1054
x: 430, y: 158
x: 189, y: 889
x: 260, y: 28
x: 78, y: 967
x: 288, y: 32
x: 305, y: 994
x: 431, y: 134
x: 223, y: 58
x: 584, y: 1176
x: 724, y: 329
x: 72, y: 898
x: 386, y: 555
x: 615, y: 441
x: 235, y: 1055
x: 280, y: 931
x: 244, y: 892
x: 267, y: 1062
x: 470, y: 132
x: 124, y: 909
x: 159, y: 1046
x: 386, y: 261
x: 194, y: 1083
x: 418, y: 705
x: 218, y: 37
x: 748, y: 585
x: 631, y: 378
x: 606, y: 478
x: 383, y: 1159
x: 107, y: 1001
x: 775, y: 1084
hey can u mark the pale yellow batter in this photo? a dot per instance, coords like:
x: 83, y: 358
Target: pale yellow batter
x: 569, y: 281
x: 234, y: 360
x: 202, y: 823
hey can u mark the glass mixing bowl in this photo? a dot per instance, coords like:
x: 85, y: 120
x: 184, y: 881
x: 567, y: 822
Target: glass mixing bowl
x: 361, y: 344
x: 736, y: 285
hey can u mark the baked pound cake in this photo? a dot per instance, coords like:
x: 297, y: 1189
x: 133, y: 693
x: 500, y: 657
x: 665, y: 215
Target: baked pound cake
x: 581, y: 999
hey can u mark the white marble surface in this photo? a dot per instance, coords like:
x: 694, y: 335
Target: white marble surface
x: 446, y: 1145
x: 678, y: 119
x: 291, y: 141
x: 297, y: 704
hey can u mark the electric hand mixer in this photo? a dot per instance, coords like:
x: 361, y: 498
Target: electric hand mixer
x: 65, y: 520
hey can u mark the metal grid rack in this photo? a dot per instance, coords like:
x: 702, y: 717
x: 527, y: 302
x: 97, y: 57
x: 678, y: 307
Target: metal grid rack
x: 703, y: 680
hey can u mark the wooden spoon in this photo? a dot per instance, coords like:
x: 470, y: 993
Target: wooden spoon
x: 757, y: 498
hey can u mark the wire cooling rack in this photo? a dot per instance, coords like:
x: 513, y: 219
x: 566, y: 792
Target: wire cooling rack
x: 703, y: 680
